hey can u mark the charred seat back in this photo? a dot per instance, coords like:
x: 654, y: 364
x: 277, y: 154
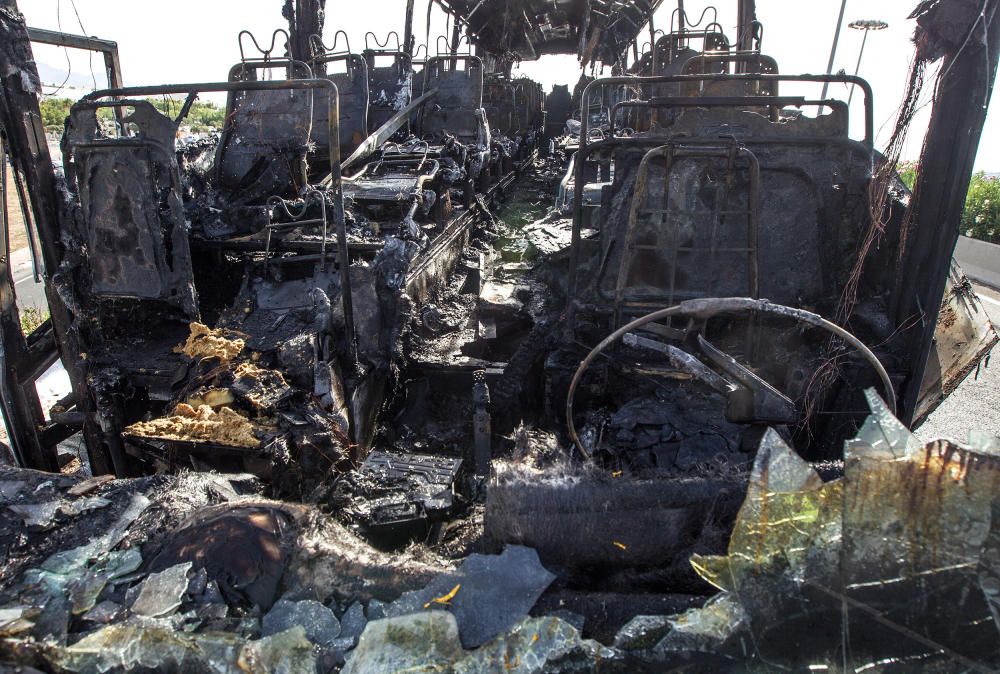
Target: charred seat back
x: 772, y: 208
x: 733, y: 62
x: 498, y: 101
x: 390, y: 81
x: 676, y: 48
x: 529, y: 114
x: 350, y: 74
x: 130, y: 211
x: 267, y: 134
x: 457, y: 108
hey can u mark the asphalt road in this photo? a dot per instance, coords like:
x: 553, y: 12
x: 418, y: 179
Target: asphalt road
x: 29, y: 293
x: 975, y: 404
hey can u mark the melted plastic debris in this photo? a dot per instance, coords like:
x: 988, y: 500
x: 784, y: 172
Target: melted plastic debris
x: 162, y: 593
x: 241, y: 547
x: 320, y: 624
x: 225, y: 427
x: 261, y: 388
x: 204, y: 342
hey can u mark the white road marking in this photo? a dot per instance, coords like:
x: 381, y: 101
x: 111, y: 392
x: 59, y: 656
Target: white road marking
x: 992, y: 301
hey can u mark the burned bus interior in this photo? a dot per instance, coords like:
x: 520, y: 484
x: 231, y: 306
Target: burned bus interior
x: 416, y: 364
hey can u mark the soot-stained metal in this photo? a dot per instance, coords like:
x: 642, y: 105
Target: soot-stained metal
x: 415, y: 365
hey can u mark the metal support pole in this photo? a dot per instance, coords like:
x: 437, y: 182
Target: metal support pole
x: 857, y: 68
x: 833, y: 48
x: 408, y: 28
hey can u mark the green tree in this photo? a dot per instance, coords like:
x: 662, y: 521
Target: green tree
x: 202, y: 117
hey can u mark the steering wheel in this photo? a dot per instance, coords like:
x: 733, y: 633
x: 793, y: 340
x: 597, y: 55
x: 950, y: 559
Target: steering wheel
x: 772, y: 402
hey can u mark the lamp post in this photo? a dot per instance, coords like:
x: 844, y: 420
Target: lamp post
x: 865, y: 25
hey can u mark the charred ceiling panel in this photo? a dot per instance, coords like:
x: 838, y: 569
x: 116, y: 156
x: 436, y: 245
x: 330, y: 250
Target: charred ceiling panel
x: 595, y: 30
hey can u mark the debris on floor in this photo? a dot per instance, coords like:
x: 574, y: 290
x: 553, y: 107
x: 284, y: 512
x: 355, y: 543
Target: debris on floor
x: 411, y: 367
x: 198, y: 571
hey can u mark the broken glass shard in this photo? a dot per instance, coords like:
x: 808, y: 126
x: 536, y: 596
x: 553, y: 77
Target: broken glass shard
x: 131, y: 647
x: 420, y: 642
x: 105, y: 612
x: 642, y: 632
x: 494, y: 592
x: 288, y: 652
x: 17, y: 619
x: 320, y: 624
x: 161, y: 593
x: 352, y: 623
x: 535, y: 646
x: 70, y: 561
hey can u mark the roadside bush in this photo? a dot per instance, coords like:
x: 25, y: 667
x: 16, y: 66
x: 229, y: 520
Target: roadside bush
x: 907, y: 171
x: 981, y: 217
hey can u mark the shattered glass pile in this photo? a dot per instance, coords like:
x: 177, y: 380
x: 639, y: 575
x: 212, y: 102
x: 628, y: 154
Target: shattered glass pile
x: 894, y: 566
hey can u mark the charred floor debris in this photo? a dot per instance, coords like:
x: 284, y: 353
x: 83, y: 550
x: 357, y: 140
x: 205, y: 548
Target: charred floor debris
x: 415, y: 367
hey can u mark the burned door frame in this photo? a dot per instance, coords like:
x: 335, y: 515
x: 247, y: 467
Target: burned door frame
x: 25, y: 359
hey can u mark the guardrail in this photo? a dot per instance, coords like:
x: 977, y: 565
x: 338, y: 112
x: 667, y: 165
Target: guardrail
x: 980, y: 260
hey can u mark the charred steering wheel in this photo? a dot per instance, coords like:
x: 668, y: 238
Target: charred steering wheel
x: 761, y: 400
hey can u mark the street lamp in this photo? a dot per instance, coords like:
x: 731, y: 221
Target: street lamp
x: 865, y: 25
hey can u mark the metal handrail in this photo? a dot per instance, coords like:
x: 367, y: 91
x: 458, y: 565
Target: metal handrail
x: 275, y: 202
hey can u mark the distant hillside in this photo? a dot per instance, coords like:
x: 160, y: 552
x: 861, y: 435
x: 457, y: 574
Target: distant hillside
x: 51, y: 75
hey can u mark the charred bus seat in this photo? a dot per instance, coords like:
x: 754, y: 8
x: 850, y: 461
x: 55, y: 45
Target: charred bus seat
x: 264, y: 144
x: 131, y: 269
x: 682, y: 217
x: 392, y: 85
x: 350, y: 73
